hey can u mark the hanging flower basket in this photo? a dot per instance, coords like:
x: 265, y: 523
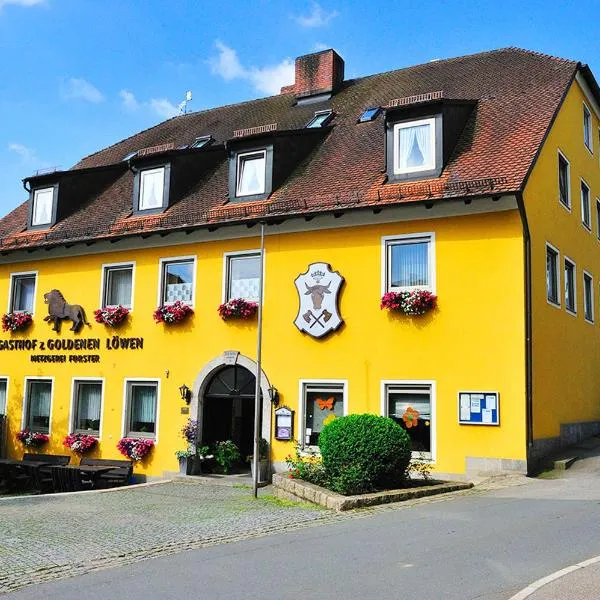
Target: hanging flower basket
x: 135, y: 449
x: 32, y: 439
x: 111, y: 316
x: 415, y: 302
x: 80, y: 443
x: 238, y: 308
x: 16, y: 321
x: 172, y: 313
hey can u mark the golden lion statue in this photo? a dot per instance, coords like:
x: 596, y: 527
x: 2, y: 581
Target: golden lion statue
x: 59, y: 310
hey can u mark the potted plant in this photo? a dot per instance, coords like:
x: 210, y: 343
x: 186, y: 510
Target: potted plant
x: 227, y: 455
x: 413, y: 303
x: 111, y: 316
x: 80, y: 443
x: 32, y: 439
x: 263, y: 461
x: 172, y: 313
x: 191, y: 459
x: 134, y: 448
x: 16, y: 321
x: 238, y: 308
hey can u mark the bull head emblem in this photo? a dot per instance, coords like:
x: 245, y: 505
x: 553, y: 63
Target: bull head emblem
x: 317, y: 293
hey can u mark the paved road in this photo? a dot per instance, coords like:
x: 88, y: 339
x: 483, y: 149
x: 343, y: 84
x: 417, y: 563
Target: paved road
x: 484, y: 545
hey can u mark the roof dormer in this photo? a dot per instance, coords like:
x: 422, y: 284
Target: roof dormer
x: 43, y: 202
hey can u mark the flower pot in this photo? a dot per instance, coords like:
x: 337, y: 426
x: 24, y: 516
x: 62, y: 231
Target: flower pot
x: 263, y: 471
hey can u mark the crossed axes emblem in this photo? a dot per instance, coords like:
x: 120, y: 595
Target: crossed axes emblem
x: 310, y: 315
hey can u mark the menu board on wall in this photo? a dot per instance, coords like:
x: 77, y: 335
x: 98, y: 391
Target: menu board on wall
x: 478, y: 408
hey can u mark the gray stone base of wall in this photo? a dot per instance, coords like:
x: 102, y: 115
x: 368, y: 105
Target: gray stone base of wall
x: 483, y: 466
x: 570, y: 434
x: 298, y: 490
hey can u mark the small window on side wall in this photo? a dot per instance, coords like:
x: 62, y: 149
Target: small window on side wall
x: 409, y: 263
x: 586, y: 217
x: 587, y: 128
x: 177, y: 281
x: 22, y: 292
x: 588, y: 297
x: 118, y: 286
x: 552, y: 275
x: 3, y: 389
x: 43, y: 209
x: 322, y: 402
x: 243, y: 275
x: 564, y: 181
x: 142, y: 401
x: 570, y: 292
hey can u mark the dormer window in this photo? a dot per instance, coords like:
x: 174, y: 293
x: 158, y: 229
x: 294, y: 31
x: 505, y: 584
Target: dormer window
x: 151, y: 189
x: 251, y: 173
x: 43, y: 207
x: 321, y: 118
x: 414, y: 148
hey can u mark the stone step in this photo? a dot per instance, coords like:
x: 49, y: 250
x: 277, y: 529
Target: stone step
x: 562, y: 464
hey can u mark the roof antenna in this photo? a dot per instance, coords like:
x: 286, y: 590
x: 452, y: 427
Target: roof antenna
x: 183, y: 105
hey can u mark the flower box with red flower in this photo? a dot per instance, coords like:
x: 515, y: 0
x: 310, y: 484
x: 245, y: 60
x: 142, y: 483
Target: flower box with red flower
x: 16, y: 321
x: 112, y: 316
x: 172, y: 313
x: 135, y: 448
x: 409, y: 302
x: 32, y: 439
x: 80, y: 443
x: 238, y: 308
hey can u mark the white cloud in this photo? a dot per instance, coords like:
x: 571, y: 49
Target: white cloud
x: 161, y: 106
x: 26, y: 154
x: 129, y: 100
x: 25, y: 3
x: 317, y: 17
x: 76, y: 88
x: 320, y: 46
x: 267, y: 80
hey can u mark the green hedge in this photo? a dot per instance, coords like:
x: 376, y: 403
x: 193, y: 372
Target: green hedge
x: 364, y: 453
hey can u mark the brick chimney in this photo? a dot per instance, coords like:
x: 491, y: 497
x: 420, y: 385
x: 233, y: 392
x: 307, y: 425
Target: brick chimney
x: 318, y: 73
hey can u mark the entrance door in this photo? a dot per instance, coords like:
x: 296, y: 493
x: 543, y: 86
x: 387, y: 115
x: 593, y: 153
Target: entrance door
x: 229, y: 408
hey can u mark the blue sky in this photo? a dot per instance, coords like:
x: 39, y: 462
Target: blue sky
x: 78, y: 75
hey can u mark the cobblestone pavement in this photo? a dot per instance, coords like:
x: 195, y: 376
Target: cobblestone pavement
x: 45, y: 538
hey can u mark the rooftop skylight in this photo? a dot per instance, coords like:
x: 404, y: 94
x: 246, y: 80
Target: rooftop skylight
x: 201, y: 141
x: 321, y: 118
x: 369, y: 114
x: 130, y: 155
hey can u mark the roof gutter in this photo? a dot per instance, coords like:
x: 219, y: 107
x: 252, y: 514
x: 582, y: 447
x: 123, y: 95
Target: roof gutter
x: 528, y: 326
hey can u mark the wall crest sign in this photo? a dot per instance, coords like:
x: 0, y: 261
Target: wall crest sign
x: 318, y: 291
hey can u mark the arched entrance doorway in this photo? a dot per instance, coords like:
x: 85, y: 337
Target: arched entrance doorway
x: 229, y: 408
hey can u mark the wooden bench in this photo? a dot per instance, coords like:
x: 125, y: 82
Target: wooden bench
x: 41, y: 476
x: 117, y: 476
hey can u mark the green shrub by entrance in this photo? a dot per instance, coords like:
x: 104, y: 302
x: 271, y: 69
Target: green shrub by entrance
x: 364, y: 453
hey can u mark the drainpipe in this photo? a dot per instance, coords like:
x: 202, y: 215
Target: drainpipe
x: 528, y: 325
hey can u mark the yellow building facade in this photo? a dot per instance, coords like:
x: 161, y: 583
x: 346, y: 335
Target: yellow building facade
x: 498, y: 372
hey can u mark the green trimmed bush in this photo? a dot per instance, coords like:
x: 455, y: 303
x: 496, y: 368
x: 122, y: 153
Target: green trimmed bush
x: 364, y: 453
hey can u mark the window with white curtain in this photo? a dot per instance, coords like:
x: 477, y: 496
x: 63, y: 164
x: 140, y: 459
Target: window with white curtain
x: 43, y: 201
x: 251, y: 173
x: 587, y: 128
x: 118, y: 285
x: 243, y: 275
x: 414, y: 146
x: 410, y: 406
x: 152, y: 188
x: 38, y: 397
x: 409, y: 263
x: 178, y: 281
x: 87, y: 407
x: 3, y: 388
x: 23, y: 292
x: 142, y: 399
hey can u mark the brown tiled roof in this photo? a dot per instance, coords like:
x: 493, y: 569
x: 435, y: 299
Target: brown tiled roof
x: 517, y: 94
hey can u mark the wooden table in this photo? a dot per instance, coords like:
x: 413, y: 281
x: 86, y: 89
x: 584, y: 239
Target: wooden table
x: 92, y: 471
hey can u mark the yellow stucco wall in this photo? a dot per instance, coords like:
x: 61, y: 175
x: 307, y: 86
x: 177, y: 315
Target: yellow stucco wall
x: 473, y: 341
x: 566, y: 349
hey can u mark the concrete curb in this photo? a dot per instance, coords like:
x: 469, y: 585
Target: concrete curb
x: 296, y: 489
x: 536, y: 585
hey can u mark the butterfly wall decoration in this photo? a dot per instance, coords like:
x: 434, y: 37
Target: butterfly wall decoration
x: 328, y: 403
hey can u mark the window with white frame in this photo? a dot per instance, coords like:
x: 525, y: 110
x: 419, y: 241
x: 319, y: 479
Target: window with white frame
x: 251, y: 173
x: 141, y: 407
x: 38, y: 399
x: 564, y: 179
x: 570, y: 291
x: 410, y: 406
x: 598, y: 216
x: 43, y: 207
x: 152, y: 189
x: 409, y: 262
x: 3, y: 390
x: 414, y: 146
x: 552, y: 275
x: 322, y: 402
x: 87, y: 406
x: 588, y: 297
x: 243, y: 276
x: 22, y: 292
x: 177, y: 281
x: 587, y: 128
x: 118, y: 285
x: 586, y: 217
